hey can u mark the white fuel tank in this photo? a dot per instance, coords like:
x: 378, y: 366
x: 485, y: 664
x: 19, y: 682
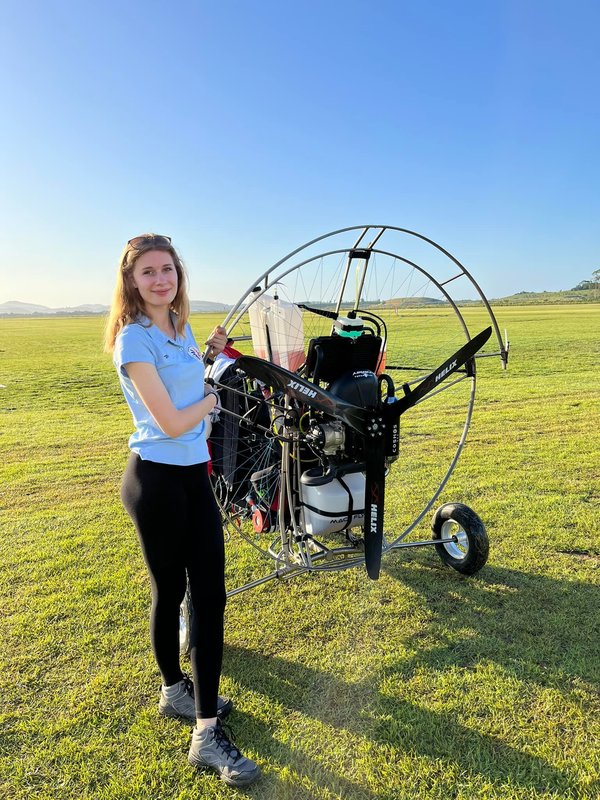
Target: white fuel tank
x: 326, y: 501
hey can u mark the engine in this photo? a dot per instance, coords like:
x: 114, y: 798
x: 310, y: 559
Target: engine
x: 333, y: 494
x: 327, y: 437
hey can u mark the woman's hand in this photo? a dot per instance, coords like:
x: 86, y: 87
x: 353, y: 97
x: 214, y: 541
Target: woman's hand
x: 216, y: 342
x: 209, y: 389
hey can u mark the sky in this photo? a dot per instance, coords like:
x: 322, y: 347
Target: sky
x: 244, y: 129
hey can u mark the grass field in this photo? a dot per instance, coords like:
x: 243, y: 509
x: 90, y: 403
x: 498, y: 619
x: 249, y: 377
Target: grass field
x: 422, y: 685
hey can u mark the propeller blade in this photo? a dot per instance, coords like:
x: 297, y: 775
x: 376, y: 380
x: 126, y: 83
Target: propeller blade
x: 374, y: 505
x: 302, y: 390
x: 432, y: 381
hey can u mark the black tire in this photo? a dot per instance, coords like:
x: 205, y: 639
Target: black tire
x: 469, y: 554
x: 186, y: 611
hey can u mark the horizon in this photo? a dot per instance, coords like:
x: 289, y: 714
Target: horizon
x: 472, y: 124
x: 227, y: 306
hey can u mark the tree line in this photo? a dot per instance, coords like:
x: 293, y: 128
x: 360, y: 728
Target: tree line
x: 593, y: 284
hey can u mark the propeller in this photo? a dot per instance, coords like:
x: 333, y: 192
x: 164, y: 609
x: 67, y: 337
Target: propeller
x: 302, y: 390
x: 374, y: 498
x: 432, y: 381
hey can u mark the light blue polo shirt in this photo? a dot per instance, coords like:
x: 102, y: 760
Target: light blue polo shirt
x: 179, y: 364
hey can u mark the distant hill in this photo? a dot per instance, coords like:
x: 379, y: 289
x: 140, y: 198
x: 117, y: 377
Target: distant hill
x: 519, y: 299
x: 14, y: 308
x: 412, y: 302
x: 549, y: 298
x: 201, y: 306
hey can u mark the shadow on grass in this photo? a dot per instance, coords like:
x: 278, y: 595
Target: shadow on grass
x: 535, y: 627
x: 299, y: 772
x: 542, y: 631
x: 417, y: 731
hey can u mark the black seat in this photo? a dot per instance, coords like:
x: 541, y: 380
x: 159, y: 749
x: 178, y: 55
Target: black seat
x: 330, y: 357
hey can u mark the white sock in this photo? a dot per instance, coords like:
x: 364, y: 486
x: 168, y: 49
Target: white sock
x: 203, y: 724
x: 172, y: 691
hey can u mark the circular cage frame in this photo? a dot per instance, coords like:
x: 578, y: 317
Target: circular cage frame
x: 376, y: 237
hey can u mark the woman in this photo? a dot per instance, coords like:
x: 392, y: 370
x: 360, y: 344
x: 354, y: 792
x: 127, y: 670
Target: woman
x: 166, y: 490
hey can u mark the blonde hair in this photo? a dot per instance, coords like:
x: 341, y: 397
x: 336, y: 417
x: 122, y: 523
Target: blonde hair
x: 127, y: 305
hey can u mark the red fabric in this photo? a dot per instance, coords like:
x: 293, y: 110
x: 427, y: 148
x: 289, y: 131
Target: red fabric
x: 209, y: 465
x: 231, y: 352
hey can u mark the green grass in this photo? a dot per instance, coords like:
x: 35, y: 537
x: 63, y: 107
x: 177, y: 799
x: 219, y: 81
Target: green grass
x: 422, y: 685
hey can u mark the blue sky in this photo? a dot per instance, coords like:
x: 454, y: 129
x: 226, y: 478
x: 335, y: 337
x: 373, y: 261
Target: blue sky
x: 244, y: 129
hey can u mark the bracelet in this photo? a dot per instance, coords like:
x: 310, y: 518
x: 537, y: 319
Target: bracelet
x: 216, y: 396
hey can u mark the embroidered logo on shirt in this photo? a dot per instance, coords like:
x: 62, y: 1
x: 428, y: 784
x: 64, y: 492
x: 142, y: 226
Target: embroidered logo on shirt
x: 193, y: 351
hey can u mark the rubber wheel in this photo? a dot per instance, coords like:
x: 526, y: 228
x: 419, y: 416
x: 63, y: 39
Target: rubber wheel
x: 185, y: 623
x: 470, y: 552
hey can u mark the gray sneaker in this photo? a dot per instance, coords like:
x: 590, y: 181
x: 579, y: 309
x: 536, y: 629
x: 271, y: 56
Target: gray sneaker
x: 182, y: 705
x: 214, y: 748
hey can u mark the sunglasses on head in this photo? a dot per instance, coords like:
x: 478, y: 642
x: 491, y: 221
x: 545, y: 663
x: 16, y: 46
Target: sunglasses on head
x: 140, y: 242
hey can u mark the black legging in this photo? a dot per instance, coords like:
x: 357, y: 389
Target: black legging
x: 179, y: 527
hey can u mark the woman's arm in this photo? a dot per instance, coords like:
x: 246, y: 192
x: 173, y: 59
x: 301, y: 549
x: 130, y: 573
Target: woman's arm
x: 172, y: 421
